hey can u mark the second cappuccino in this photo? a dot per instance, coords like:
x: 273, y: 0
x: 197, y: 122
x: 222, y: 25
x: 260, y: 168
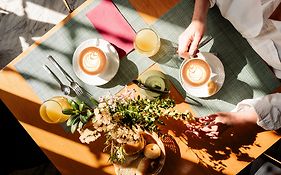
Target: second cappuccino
x: 195, y: 72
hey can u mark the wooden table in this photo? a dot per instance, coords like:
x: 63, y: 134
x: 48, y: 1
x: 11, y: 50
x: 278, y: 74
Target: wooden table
x: 228, y: 155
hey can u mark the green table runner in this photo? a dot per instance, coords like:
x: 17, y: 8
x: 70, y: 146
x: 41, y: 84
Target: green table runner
x: 247, y: 76
x: 62, y: 44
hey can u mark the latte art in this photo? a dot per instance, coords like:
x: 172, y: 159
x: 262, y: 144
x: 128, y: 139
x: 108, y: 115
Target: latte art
x: 196, y: 72
x: 92, y: 60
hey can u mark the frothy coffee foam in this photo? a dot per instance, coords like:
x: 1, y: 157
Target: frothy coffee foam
x: 92, y: 60
x: 196, y: 72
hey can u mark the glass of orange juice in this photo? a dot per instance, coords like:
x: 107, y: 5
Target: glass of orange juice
x: 147, y: 42
x: 51, y: 110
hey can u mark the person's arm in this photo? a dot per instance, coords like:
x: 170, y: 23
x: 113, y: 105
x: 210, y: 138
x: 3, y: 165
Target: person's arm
x: 268, y: 109
x: 200, y: 10
x: 190, y: 38
x: 265, y: 112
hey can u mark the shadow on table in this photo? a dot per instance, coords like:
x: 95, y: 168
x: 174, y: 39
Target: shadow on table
x: 167, y: 54
x: 187, y: 98
x: 65, y: 164
x: 212, y: 153
x: 176, y: 165
x: 127, y: 71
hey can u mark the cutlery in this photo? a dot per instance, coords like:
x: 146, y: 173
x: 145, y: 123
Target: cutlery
x: 76, y: 87
x: 205, y: 41
x: 79, y: 90
x: 64, y: 88
x: 152, y: 89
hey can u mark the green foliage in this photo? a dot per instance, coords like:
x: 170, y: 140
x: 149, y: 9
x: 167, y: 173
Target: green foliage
x: 79, y: 113
x: 127, y: 113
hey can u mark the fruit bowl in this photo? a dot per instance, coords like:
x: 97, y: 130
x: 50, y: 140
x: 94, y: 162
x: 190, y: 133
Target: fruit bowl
x: 148, y: 160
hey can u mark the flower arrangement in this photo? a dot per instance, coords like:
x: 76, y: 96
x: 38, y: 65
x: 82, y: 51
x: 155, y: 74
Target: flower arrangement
x: 121, y: 118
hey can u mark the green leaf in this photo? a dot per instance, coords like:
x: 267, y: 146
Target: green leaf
x: 74, y: 105
x: 80, y: 124
x: 71, y: 120
x: 74, y: 127
x: 81, y: 106
x: 89, y: 113
x: 83, y: 118
x: 69, y: 101
x: 67, y: 111
x: 78, y: 102
x: 94, y: 101
x: 74, y: 124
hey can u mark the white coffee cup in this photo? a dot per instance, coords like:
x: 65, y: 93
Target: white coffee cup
x: 95, y: 61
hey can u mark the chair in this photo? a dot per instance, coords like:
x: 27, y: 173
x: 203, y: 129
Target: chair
x: 67, y: 6
x: 267, y: 163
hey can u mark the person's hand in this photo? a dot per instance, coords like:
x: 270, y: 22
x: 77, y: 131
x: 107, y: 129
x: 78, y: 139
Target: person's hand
x: 213, y: 125
x: 190, y: 38
x: 236, y: 118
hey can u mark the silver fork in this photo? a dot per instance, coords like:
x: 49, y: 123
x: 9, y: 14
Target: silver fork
x: 75, y: 86
x: 80, y: 92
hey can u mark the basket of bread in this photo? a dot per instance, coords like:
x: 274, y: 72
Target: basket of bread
x: 144, y: 157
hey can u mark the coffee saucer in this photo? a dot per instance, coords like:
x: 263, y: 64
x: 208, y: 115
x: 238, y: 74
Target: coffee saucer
x: 111, y: 67
x: 217, y: 68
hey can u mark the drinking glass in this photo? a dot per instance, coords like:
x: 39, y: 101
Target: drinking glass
x: 147, y: 42
x: 51, y: 110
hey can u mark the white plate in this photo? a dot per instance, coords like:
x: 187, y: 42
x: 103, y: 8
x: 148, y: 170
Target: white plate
x: 217, y: 68
x: 111, y: 67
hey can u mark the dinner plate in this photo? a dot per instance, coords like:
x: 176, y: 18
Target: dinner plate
x: 111, y: 67
x: 217, y: 68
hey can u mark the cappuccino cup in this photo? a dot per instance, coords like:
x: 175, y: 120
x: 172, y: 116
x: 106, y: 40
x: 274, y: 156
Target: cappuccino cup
x: 95, y: 61
x: 92, y: 61
x: 195, y: 72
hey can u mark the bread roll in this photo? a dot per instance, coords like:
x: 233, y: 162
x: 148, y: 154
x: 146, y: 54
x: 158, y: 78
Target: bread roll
x: 212, y: 87
x: 134, y: 147
x: 152, y: 151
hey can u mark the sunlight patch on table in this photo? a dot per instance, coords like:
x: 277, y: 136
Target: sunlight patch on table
x: 66, y: 147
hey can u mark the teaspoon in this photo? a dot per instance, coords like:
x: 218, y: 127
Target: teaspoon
x: 64, y: 88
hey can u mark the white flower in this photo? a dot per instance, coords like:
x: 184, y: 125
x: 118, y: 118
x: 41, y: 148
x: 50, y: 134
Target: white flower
x: 102, y: 105
x: 96, y: 111
x: 88, y: 136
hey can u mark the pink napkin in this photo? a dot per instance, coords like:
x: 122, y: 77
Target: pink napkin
x: 112, y: 26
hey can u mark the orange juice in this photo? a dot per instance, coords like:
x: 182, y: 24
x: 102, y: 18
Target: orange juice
x: 147, y: 42
x: 51, y: 110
